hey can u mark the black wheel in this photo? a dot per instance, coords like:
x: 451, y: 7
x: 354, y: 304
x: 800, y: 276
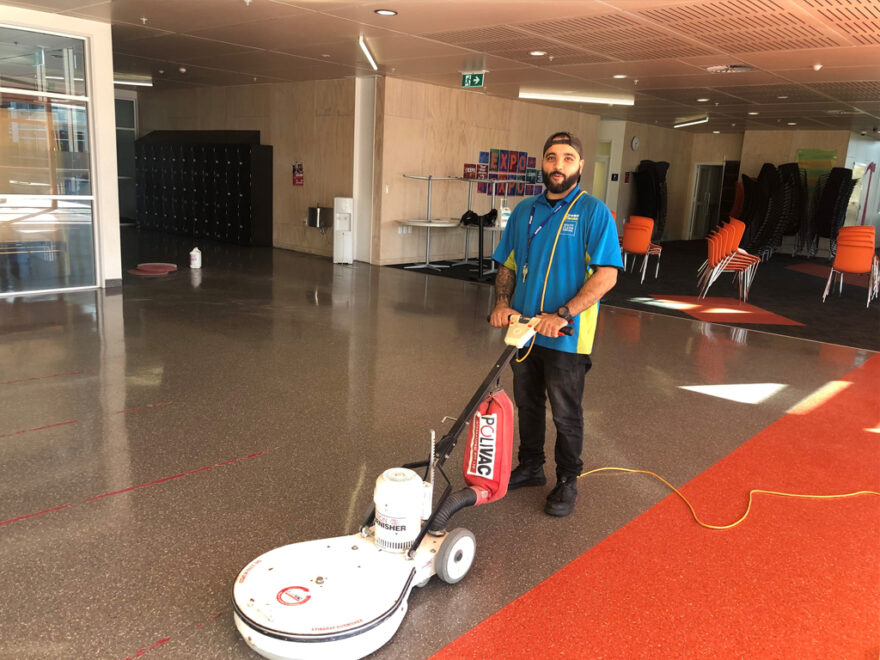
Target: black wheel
x: 456, y: 555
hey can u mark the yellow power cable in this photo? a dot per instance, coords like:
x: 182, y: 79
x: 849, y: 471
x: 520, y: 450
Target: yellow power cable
x: 751, y: 495
x: 547, y: 273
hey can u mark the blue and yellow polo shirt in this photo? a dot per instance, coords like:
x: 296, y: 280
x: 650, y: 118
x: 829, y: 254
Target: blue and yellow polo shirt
x: 587, y: 237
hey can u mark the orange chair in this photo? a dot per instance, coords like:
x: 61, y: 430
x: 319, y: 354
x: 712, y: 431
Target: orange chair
x: 636, y: 241
x: 725, y: 256
x: 653, y: 248
x: 855, y: 256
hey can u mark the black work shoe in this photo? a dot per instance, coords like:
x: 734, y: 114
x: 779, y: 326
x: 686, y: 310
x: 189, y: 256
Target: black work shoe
x: 560, y: 501
x: 526, y: 475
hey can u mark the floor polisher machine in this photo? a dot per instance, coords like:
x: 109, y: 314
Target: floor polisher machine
x: 345, y: 597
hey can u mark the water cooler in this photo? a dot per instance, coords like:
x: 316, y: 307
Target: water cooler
x: 343, y: 236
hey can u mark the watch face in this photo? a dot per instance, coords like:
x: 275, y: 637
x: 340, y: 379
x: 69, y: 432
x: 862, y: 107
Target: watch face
x: 634, y: 143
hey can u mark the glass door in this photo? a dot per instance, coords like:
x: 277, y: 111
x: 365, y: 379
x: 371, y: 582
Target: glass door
x: 47, y: 238
x: 126, y: 129
x: 707, y: 197
x: 600, y: 171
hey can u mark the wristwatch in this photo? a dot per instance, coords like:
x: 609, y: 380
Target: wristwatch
x: 564, y: 313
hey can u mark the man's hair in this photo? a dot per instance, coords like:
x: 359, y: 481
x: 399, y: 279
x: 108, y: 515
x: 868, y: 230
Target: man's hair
x: 564, y: 137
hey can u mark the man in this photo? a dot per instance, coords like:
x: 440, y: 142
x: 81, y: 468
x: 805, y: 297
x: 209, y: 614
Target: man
x: 577, y: 233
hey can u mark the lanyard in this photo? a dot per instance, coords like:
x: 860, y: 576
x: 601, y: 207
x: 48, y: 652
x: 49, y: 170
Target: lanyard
x: 530, y: 236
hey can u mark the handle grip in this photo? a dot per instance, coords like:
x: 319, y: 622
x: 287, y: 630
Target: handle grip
x: 567, y: 330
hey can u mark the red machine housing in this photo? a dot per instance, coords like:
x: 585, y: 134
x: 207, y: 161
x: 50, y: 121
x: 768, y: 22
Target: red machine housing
x: 489, y: 449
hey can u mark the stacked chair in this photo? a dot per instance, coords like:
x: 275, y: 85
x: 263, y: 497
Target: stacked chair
x: 855, y: 255
x: 653, y: 248
x: 637, y: 241
x: 828, y: 212
x: 725, y: 256
x: 795, y: 180
x: 652, y: 194
x: 774, y: 203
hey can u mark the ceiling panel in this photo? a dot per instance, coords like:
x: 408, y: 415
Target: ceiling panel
x: 178, y: 47
x: 662, y: 46
x: 858, y: 19
x: 691, y: 94
x: 428, y: 16
x: 299, y: 30
x: 712, y: 80
x: 123, y: 33
x: 185, y: 16
x: 454, y: 64
x: 772, y: 93
x: 804, y: 59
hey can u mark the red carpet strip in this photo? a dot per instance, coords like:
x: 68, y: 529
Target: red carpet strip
x: 798, y: 579
x: 723, y: 310
x: 819, y: 270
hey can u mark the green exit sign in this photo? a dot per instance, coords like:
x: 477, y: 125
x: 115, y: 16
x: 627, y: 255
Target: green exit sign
x: 472, y: 79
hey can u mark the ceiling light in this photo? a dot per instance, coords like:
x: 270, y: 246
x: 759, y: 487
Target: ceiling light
x: 620, y: 99
x: 792, y: 123
x: 135, y: 83
x: 782, y: 97
x: 385, y: 12
x: 753, y: 113
x: 135, y: 79
x: 681, y: 122
x: 620, y: 76
x: 716, y: 132
x: 729, y: 68
x: 538, y: 53
x: 702, y: 100
x: 369, y: 55
x: 817, y: 67
x: 182, y: 69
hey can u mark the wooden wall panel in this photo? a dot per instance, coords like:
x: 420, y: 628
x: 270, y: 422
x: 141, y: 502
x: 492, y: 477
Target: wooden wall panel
x: 435, y: 130
x: 780, y: 147
x: 311, y: 122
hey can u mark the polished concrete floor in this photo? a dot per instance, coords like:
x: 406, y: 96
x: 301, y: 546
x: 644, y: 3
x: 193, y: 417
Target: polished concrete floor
x: 155, y: 439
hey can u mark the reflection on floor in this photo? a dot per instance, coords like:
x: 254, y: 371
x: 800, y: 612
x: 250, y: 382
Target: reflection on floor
x: 155, y: 440
x: 717, y: 310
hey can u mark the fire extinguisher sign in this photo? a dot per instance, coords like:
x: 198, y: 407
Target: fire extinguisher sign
x: 481, y: 461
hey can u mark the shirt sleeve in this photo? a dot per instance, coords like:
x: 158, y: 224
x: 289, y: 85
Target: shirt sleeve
x: 504, y: 251
x: 603, y: 246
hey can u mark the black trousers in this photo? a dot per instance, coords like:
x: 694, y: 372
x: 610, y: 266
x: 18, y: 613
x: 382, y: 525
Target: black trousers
x: 559, y: 376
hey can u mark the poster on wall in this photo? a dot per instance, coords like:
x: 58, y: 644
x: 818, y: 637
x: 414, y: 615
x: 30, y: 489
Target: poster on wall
x: 297, y: 168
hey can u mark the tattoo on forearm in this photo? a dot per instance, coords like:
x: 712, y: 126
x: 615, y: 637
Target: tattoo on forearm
x: 505, y: 282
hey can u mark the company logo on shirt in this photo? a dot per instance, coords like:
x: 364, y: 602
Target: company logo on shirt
x: 569, y: 226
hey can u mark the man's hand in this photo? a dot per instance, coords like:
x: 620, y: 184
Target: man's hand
x: 550, y: 325
x: 498, y: 319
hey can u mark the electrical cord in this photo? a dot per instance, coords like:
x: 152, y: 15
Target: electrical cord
x: 752, y: 493
x: 547, y: 273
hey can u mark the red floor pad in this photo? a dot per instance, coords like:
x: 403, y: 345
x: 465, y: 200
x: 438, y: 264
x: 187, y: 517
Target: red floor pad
x: 822, y: 271
x: 157, y: 267
x: 798, y: 579
x: 147, y: 273
x: 724, y: 310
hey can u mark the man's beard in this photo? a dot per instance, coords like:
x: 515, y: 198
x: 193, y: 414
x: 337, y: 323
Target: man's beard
x: 561, y: 186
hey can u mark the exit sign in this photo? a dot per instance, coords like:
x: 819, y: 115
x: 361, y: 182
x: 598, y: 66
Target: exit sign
x: 472, y: 79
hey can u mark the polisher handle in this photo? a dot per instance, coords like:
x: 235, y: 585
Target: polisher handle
x: 567, y: 330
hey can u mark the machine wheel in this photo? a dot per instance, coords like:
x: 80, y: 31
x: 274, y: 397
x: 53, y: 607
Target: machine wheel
x: 424, y: 583
x: 456, y: 555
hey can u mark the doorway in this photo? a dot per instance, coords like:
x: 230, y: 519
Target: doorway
x: 706, y: 204
x: 600, y: 171
x: 126, y: 132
